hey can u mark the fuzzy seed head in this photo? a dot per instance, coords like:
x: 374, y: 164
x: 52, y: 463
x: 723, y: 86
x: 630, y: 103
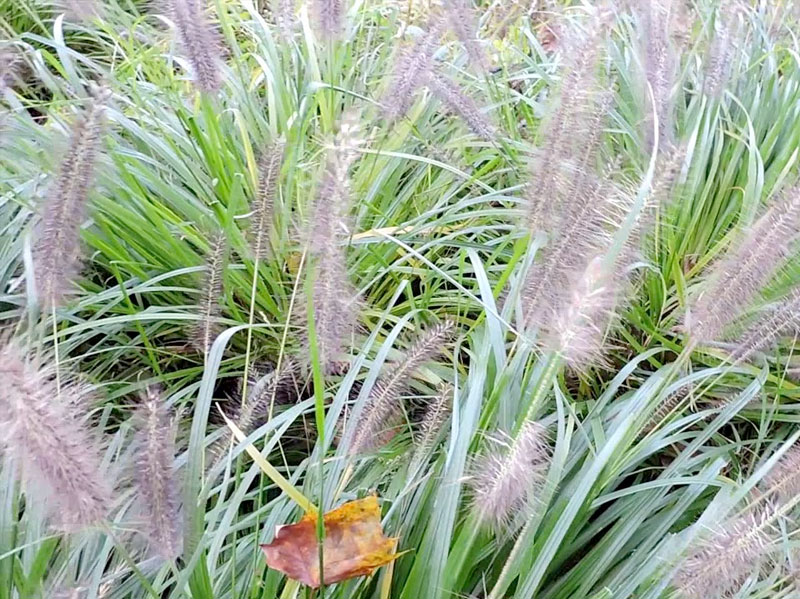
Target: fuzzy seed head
x: 767, y: 329
x: 10, y: 64
x: 41, y: 428
x: 721, y: 564
x: 333, y: 297
x: 578, y: 329
x: 209, y: 310
x: 381, y: 415
x: 661, y: 196
x: 157, y: 487
x: 332, y: 206
x: 719, y: 59
x: 572, y: 133
x: 665, y: 409
x: 508, y: 476
x: 433, y: 421
x: 269, y: 168
x: 329, y: 17
x: 463, y: 22
x: 284, y: 14
x: 79, y: 10
x: 660, y: 67
x: 200, y: 41
x: 410, y: 70
x: 257, y: 408
x: 736, y: 280
x: 590, y: 214
x: 56, y: 246
x: 283, y: 383
x: 336, y: 308
x: 435, y: 417
x: 782, y: 483
x: 459, y: 102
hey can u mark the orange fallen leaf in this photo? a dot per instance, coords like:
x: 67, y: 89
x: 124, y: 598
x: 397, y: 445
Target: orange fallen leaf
x: 354, y: 544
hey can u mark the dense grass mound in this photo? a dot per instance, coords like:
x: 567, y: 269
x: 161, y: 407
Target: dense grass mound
x: 528, y: 274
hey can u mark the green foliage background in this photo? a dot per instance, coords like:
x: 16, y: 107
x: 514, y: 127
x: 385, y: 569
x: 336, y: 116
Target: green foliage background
x: 436, y: 235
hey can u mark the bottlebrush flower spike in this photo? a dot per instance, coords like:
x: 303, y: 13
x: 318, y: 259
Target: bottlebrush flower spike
x: 329, y: 18
x: 430, y: 428
x: 582, y: 232
x: 209, y: 309
x: 41, y: 428
x: 721, y: 564
x: 269, y: 168
x: 285, y: 18
x: 660, y: 67
x: 766, y: 330
x: 451, y: 94
x: 283, y: 382
x: 56, y: 247
x: 333, y: 297
x: 410, y: 70
x: 354, y: 545
x: 578, y: 327
x: 720, y: 56
x: 256, y: 409
x: 10, y: 63
x: 157, y: 487
x: 378, y: 421
x: 736, y: 279
x: 464, y: 23
x: 572, y: 133
x: 80, y: 10
x: 782, y: 483
x: 507, y: 477
x: 665, y: 409
x: 436, y: 414
x: 200, y: 42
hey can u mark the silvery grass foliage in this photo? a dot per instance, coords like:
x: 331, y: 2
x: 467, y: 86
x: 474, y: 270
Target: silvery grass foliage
x: 580, y: 438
